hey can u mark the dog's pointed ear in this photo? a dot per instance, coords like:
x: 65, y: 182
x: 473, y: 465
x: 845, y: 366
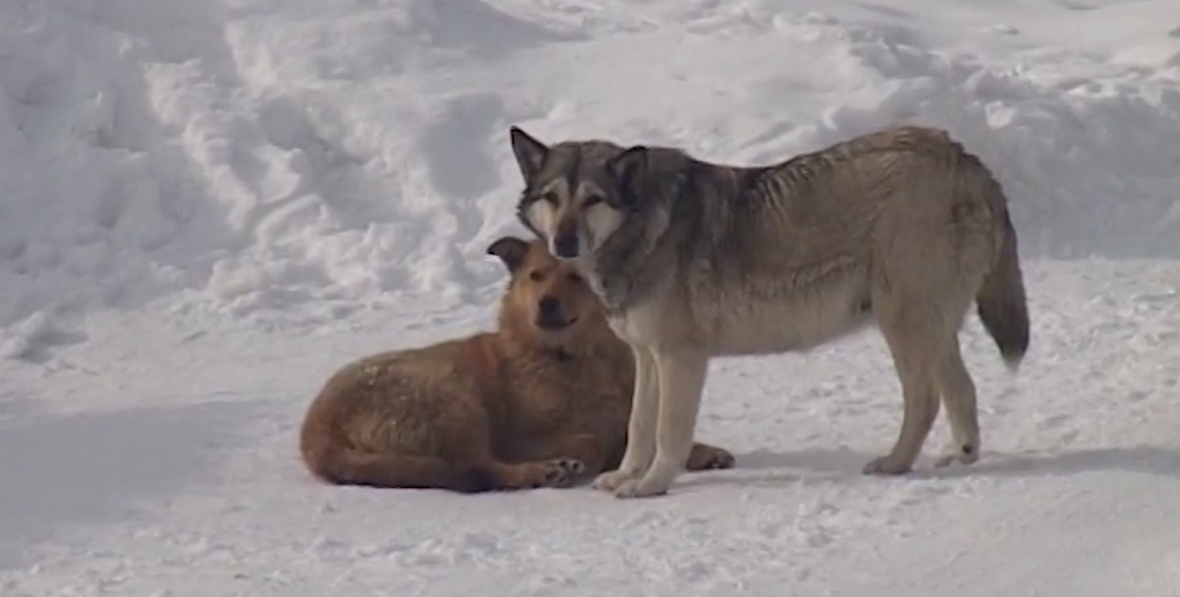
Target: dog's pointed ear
x: 628, y: 166
x: 511, y: 250
x: 530, y: 153
x: 627, y: 169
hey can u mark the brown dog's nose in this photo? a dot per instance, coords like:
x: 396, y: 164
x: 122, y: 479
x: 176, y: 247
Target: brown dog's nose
x: 548, y: 305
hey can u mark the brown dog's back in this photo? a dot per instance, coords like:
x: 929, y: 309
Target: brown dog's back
x: 350, y: 435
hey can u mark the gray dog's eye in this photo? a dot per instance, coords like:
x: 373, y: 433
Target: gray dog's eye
x: 550, y: 198
x: 591, y: 200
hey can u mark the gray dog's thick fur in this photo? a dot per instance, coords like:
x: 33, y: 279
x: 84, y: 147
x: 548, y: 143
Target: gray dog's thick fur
x: 901, y: 228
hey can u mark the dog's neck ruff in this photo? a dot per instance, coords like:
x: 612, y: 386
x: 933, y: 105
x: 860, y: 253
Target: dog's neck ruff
x: 560, y: 354
x: 615, y: 289
x: 623, y: 269
x: 621, y: 274
x: 608, y: 290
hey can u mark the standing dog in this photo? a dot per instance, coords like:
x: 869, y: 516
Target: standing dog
x: 536, y: 403
x: 902, y: 228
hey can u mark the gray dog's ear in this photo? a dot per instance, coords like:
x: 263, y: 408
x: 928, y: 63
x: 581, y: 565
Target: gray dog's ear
x: 510, y: 250
x: 627, y: 169
x: 530, y: 153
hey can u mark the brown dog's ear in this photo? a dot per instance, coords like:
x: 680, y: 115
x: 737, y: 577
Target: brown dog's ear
x: 510, y: 250
x: 530, y: 153
x: 627, y: 169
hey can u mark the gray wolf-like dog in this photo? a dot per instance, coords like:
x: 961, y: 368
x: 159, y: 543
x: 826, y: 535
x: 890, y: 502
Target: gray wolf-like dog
x: 901, y: 228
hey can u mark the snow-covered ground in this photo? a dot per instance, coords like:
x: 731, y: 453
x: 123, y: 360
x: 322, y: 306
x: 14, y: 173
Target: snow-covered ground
x: 206, y: 207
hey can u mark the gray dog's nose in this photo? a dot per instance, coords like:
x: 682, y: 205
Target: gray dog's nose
x: 566, y: 246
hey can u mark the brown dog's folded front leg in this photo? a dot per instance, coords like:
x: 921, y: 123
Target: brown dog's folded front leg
x: 578, y: 451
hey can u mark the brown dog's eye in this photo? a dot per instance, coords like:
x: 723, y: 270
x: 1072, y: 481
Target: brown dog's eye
x: 591, y: 201
x: 536, y: 276
x: 575, y: 278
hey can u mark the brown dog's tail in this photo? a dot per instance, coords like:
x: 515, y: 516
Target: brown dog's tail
x: 1001, y: 302
x: 349, y: 466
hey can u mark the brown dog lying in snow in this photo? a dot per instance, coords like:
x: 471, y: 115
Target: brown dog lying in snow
x: 540, y: 402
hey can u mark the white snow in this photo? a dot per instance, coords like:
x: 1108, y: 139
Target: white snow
x: 206, y: 207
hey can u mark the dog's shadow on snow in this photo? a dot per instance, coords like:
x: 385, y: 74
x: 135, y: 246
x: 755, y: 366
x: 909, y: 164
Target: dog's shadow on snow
x: 762, y: 467
x: 1162, y: 461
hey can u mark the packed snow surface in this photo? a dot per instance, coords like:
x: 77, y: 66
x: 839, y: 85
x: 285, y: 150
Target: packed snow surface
x: 206, y: 207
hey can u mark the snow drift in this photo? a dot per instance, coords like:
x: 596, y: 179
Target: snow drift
x: 232, y: 156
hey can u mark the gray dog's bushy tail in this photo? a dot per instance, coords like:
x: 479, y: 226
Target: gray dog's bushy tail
x: 1001, y: 302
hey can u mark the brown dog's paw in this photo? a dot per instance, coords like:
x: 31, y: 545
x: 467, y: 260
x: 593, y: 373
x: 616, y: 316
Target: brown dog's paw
x: 708, y: 458
x: 559, y: 472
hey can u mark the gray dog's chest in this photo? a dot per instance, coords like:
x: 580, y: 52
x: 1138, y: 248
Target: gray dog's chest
x: 623, y: 315
x: 639, y: 323
x: 614, y: 292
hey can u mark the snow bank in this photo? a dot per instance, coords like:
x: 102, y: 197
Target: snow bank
x: 309, y: 157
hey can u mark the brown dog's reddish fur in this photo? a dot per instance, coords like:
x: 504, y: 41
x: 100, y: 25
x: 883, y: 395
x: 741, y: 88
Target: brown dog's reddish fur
x: 539, y: 402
